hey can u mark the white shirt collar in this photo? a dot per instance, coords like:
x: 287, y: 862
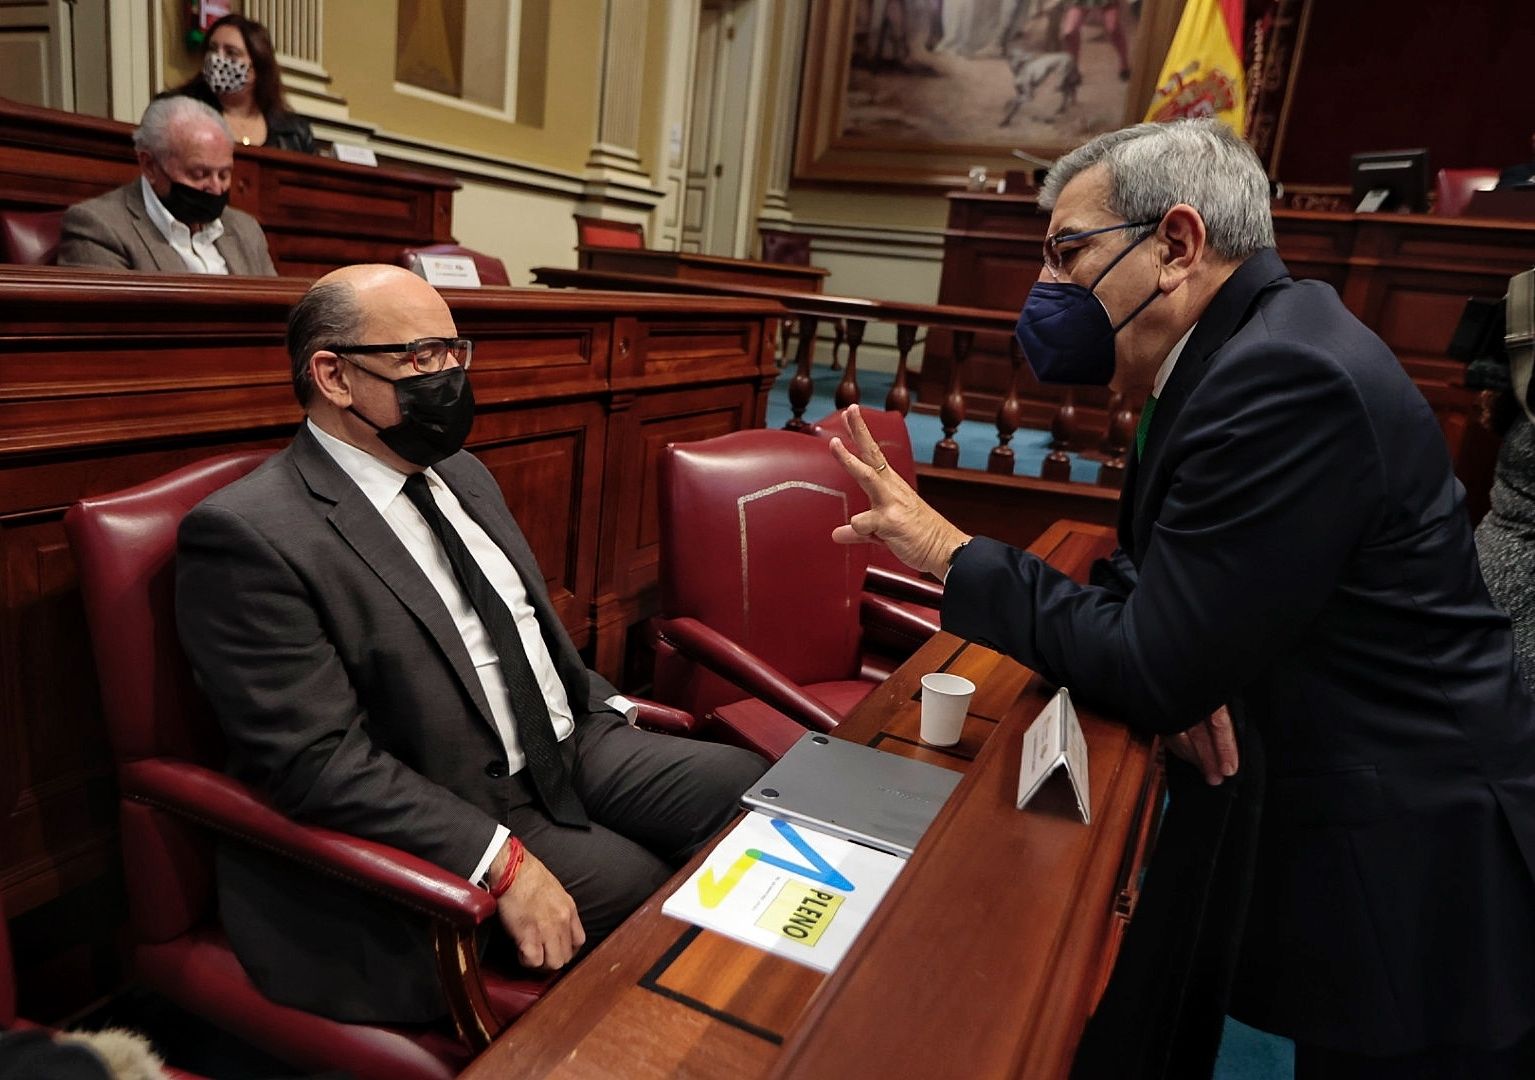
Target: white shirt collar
x: 177, y: 234
x: 381, y: 483
x: 1166, y: 370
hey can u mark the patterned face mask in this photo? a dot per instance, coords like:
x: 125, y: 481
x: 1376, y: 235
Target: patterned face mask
x: 223, y: 74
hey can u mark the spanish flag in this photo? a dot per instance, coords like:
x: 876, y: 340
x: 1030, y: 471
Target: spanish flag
x: 1202, y: 75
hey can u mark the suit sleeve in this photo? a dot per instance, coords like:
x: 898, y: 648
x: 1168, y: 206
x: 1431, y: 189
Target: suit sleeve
x: 295, y: 727
x: 87, y: 240
x: 1277, y: 477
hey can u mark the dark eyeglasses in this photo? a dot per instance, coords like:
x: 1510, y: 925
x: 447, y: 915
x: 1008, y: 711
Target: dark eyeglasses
x: 1054, y: 241
x: 427, y: 355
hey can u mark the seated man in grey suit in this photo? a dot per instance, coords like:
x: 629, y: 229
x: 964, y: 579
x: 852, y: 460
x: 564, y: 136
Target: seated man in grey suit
x: 380, y: 649
x: 176, y: 216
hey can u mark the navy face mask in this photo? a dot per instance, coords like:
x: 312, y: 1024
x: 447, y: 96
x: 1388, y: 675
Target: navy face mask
x: 436, y: 413
x: 1065, y: 330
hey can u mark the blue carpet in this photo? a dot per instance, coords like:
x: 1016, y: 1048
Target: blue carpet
x: 1246, y: 1053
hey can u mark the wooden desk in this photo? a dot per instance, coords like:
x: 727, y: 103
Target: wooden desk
x: 1023, y: 908
x: 1509, y: 204
x: 317, y: 213
x: 690, y: 266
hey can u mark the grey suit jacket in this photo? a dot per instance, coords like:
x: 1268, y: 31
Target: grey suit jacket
x: 114, y: 231
x: 347, y: 696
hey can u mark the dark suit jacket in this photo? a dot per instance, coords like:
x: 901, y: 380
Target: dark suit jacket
x: 1516, y: 174
x: 114, y: 231
x: 1304, y: 555
x: 347, y: 696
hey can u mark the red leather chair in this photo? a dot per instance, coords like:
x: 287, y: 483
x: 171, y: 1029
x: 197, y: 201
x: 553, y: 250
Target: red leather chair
x: 761, y: 630
x: 1453, y: 188
x: 174, y: 800
x: 31, y: 237
x: 492, y: 271
x: 600, y: 232
x: 888, y: 575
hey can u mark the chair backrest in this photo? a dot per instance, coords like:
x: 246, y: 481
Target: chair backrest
x: 1453, y: 188
x: 125, y: 546
x: 746, y: 549
x: 492, y: 271
x: 785, y: 247
x: 600, y: 232
x: 890, y: 431
x: 30, y: 237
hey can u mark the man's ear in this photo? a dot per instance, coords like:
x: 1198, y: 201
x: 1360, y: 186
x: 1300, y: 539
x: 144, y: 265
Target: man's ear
x: 1180, y: 245
x: 147, y: 165
x: 330, y: 377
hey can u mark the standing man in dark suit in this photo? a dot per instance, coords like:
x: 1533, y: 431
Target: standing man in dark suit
x: 176, y: 216
x: 378, y: 644
x: 1301, y: 554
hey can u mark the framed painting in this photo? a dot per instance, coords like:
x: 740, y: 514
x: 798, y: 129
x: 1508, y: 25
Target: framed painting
x: 922, y: 91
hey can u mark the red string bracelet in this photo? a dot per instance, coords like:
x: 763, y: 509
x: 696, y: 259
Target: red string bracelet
x: 509, y: 871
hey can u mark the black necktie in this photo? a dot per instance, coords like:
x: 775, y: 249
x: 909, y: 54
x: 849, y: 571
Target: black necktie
x: 534, y: 728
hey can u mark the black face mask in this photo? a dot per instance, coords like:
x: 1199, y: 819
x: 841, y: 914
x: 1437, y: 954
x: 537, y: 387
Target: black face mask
x: 436, y: 413
x: 192, y: 206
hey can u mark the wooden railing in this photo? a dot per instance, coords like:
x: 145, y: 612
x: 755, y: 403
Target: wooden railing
x: 853, y: 314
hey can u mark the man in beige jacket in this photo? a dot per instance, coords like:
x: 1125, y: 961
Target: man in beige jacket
x: 175, y: 218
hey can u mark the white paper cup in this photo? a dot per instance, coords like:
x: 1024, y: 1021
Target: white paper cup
x: 945, y: 700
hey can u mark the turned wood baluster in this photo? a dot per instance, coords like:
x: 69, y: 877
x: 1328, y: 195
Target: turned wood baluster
x: 838, y: 335
x: 899, y: 398
x: 1114, y: 443
x: 1122, y: 422
x: 946, y: 453
x: 1057, y: 464
x: 847, y: 389
x: 1001, y: 458
x: 1063, y: 427
x: 800, y: 386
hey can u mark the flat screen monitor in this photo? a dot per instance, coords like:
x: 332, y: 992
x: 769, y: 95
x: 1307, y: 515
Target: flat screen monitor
x: 1390, y: 180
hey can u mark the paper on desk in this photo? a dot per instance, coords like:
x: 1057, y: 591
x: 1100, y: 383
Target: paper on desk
x: 786, y: 889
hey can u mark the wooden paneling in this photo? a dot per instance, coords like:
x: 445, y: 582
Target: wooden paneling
x: 107, y: 380
x: 318, y: 214
x: 691, y: 266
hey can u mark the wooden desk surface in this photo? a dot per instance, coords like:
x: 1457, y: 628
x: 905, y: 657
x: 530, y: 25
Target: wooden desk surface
x: 692, y: 266
x: 661, y: 998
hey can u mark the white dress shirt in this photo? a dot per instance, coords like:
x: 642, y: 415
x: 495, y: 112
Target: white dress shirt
x: 1165, y: 372
x: 384, y: 487
x: 196, y: 249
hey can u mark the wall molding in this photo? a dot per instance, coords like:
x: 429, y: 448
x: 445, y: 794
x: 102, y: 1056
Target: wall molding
x: 636, y: 194
x: 880, y: 241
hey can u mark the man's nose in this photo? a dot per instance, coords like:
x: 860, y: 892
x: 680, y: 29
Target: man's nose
x: 215, y: 185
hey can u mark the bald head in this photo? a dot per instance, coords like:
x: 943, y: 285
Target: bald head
x: 358, y: 305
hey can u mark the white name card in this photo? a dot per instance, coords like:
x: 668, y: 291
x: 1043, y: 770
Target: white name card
x: 455, y: 271
x: 354, y: 155
x: 1054, y: 740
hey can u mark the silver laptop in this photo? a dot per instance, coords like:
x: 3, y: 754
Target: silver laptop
x: 854, y: 792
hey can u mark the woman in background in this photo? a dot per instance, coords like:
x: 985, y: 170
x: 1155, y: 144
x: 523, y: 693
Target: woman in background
x: 240, y: 79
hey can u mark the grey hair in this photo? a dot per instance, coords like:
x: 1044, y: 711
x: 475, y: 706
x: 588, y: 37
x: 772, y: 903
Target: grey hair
x: 1154, y: 167
x: 154, y: 133
x: 326, y: 316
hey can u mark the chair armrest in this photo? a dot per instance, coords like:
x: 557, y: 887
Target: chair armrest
x: 653, y: 716
x: 882, y: 611
x: 904, y: 586
x: 221, y: 803
x: 725, y: 658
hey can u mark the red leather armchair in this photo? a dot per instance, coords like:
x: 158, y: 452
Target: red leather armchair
x: 1453, y: 188
x: 600, y: 232
x: 491, y: 270
x: 175, y: 801
x: 30, y: 237
x: 762, y: 620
